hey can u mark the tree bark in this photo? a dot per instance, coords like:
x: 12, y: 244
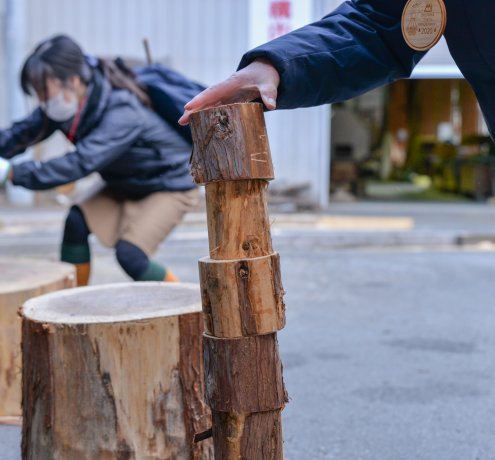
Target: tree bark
x: 244, y: 375
x: 242, y: 297
x: 238, y: 222
x: 219, y: 133
x: 20, y: 280
x: 248, y: 436
x: 113, y: 372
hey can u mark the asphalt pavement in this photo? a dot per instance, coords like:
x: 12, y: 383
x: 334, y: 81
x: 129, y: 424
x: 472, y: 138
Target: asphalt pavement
x: 389, y: 344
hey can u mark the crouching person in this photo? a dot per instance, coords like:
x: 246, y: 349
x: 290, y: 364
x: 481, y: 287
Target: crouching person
x: 142, y: 160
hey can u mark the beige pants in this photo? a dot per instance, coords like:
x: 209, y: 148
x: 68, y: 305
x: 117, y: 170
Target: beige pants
x: 144, y: 223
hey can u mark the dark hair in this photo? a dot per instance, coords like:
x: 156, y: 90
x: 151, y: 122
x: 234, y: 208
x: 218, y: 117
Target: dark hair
x: 61, y: 57
x: 57, y: 57
x: 121, y: 76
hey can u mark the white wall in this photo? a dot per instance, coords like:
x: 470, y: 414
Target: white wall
x: 202, y: 38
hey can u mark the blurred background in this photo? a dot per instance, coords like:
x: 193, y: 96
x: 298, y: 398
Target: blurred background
x: 419, y: 139
x: 389, y: 340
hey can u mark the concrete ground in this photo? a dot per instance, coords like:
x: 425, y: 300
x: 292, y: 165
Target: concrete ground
x: 390, y: 317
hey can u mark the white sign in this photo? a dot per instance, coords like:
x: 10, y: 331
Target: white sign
x: 269, y: 19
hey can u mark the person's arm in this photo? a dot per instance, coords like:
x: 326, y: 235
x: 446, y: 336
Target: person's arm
x: 22, y: 134
x: 117, y: 131
x: 357, y: 47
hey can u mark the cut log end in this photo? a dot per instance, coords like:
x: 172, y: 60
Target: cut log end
x: 114, y: 303
x: 18, y: 275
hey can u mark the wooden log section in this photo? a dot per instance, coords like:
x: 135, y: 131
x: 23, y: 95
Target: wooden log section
x: 242, y: 297
x: 220, y: 133
x: 114, y: 372
x: 20, y: 280
x: 238, y: 222
x: 248, y: 436
x: 244, y: 375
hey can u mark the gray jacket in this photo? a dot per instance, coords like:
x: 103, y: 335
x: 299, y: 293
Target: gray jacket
x: 134, y: 150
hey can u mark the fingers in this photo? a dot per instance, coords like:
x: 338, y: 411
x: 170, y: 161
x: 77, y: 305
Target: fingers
x: 228, y: 94
x: 210, y: 97
x: 232, y: 90
x: 269, y: 96
x: 184, y: 120
x: 259, y: 78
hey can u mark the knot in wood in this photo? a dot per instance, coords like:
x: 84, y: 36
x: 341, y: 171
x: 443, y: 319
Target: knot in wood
x: 105, y: 378
x: 244, y: 272
x: 222, y: 127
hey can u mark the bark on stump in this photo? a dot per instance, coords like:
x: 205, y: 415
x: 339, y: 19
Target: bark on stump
x: 114, y: 372
x: 20, y: 280
x: 241, y: 287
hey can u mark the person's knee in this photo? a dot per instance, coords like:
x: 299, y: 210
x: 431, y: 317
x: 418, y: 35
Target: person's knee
x: 136, y: 263
x: 76, y: 229
x: 132, y: 259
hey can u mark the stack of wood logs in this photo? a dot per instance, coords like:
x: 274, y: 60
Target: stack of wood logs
x: 241, y: 287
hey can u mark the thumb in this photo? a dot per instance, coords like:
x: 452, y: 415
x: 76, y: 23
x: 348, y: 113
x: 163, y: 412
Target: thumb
x: 268, y: 95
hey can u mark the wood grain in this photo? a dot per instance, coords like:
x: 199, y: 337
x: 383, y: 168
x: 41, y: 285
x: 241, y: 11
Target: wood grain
x: 20, y: 280
x: 113, y: 390
x: 242, y: 293
x: 248, y: 436
x: 230, y: 143
x: 197, y: 416
x: 238, y: 222
x: 242, y: 297
x: 244, y: 374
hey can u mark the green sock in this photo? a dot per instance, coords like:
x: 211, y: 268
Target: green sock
x: 75, y: 253
x: 154, y: 272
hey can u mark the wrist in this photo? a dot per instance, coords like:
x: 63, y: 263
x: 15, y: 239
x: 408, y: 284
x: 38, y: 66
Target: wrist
x: 269, y: 67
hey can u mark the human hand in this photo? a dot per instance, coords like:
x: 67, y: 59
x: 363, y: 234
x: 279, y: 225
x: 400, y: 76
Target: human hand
x: 5, y: 172
x: 258, y: 79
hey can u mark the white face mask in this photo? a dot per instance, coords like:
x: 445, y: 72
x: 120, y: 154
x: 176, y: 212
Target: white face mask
x: 58, y: 109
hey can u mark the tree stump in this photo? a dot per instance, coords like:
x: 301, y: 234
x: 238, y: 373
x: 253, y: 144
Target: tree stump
x: 114, y: 372
x: 241, y: 288
x: 21, y: 279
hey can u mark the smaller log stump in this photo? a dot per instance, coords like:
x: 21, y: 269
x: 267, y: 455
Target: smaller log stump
x: 21, y: 279
x: 114, y: 372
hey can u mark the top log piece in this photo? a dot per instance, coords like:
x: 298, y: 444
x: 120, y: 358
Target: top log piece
x: 230, y: 143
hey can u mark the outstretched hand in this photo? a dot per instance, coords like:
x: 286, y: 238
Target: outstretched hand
x: 258, y: 79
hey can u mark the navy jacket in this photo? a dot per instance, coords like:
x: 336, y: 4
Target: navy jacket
x: 359, y: 46
x: 134, y: 150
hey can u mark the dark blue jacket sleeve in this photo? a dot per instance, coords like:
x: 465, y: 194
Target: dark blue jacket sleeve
x: 33, y: 129
x: 115, y: 134
x: 354, y: 49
